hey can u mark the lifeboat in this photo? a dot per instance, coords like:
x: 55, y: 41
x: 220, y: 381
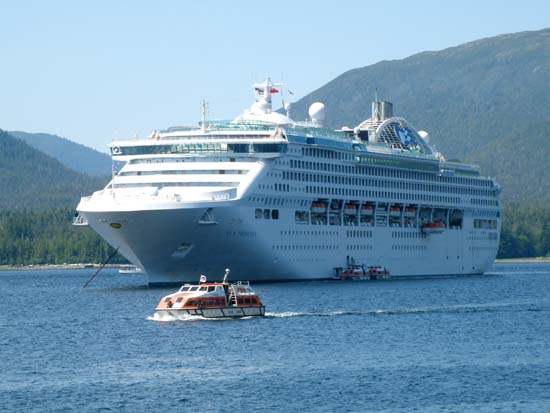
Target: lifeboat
x: 410, y: 212
x: 318, y: 207
x: 212, y: 300
x: 353, y: 273
x: 360, y: 273
x: 436, y: 227
x: 378, y: 273
x: 367, y: 210
x: 350, y: 209
x: 395, y: 211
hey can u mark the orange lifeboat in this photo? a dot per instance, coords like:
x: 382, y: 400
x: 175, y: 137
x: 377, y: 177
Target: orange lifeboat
x: 436, y: 227
x: 410, y: 212
x: 212, y: 300
x: 367, y: 210
x: 395, y: 211
x: 350, y: 209
x: 359, y: 273
x: 378, y: 273
x: 318, y: 207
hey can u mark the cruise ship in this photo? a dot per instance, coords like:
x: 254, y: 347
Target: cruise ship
x: 281, y: 200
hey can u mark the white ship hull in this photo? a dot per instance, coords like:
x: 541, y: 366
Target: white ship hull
x: 172, y: 247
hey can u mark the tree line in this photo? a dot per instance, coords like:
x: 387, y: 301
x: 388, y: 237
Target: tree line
x: 47, y: 237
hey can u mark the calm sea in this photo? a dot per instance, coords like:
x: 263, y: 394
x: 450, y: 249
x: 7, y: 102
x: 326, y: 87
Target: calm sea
x: 453, y: 344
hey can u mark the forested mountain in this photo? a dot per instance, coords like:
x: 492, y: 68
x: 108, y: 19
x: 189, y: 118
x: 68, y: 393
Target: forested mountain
x: 33, y: 180
x: 73, y: 155
x: 520, y: 162
x: 486, y: 101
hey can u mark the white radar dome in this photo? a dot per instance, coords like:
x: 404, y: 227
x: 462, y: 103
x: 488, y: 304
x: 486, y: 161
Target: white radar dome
x: 424, y: 135
x: 317, y: 112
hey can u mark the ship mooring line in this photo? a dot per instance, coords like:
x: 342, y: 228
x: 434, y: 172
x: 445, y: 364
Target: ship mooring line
x: 101, y: 267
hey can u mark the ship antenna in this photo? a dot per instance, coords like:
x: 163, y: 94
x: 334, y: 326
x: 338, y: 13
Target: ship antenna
x: 226, y: 276
x: 203, y: 114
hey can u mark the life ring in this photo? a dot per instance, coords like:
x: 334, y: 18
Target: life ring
x: 116, y: 150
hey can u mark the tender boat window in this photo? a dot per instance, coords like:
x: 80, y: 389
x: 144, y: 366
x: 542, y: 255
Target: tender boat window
x: 211, y: 288
x: 179, y: 300
x: 203, y: 288
x: 247, y: 301
x: 193, y: 288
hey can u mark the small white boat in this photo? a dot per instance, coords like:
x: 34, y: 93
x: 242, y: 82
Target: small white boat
x: 129, y: 269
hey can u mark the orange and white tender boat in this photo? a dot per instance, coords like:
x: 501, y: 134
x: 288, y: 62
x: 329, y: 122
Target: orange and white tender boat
x: 212, y: 300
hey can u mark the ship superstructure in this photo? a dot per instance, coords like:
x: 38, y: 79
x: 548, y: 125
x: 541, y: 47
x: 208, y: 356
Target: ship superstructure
x: 276, y: 199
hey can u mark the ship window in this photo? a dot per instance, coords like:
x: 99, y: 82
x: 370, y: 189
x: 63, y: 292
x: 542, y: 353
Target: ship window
x: 211, y: 288
x: 179, y: 300
x: 247, y: 301
x: 191, y: 302
x: 275, y: 214
x: 267, y: 213
x: 193, y: 288
x: 203, y: 288
x: 258, y: 213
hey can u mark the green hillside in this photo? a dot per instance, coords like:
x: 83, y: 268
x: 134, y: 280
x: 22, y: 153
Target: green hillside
x: 469, y: 98
x: 73, y: 155
x: 33, y: 180
x: 520, y: 162
x: 37, y: 203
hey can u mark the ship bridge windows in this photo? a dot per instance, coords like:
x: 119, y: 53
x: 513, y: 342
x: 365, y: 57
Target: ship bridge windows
x: 176, y: 184
x: 187, y: 172
x: 198, y: 148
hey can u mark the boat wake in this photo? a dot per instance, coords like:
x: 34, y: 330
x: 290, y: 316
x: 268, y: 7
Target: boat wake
x: 187, y: 317
x: 459, y: 308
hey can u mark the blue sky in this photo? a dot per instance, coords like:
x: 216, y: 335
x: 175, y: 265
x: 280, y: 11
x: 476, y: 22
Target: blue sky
x: 92, y: 71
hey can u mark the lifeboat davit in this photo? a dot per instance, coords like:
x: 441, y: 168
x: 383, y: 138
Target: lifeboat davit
x: 212, y: 300
x: 436, y: 227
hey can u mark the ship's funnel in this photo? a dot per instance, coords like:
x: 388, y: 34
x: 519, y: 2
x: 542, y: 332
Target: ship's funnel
x: 382, y: 110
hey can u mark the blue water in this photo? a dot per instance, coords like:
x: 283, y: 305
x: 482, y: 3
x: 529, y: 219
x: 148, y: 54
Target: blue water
x: 453, y: 344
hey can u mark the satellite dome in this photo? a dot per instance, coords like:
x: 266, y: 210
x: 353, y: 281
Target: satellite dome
x: 424, y: 135
x: 317, y: 112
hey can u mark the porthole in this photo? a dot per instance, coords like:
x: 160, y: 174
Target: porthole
x: 115, y: 225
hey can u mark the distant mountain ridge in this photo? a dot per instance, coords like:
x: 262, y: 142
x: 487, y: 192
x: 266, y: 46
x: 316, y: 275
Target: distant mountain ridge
x: 78, y: 157
x: 33, y: 180
x: 470, y: 98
